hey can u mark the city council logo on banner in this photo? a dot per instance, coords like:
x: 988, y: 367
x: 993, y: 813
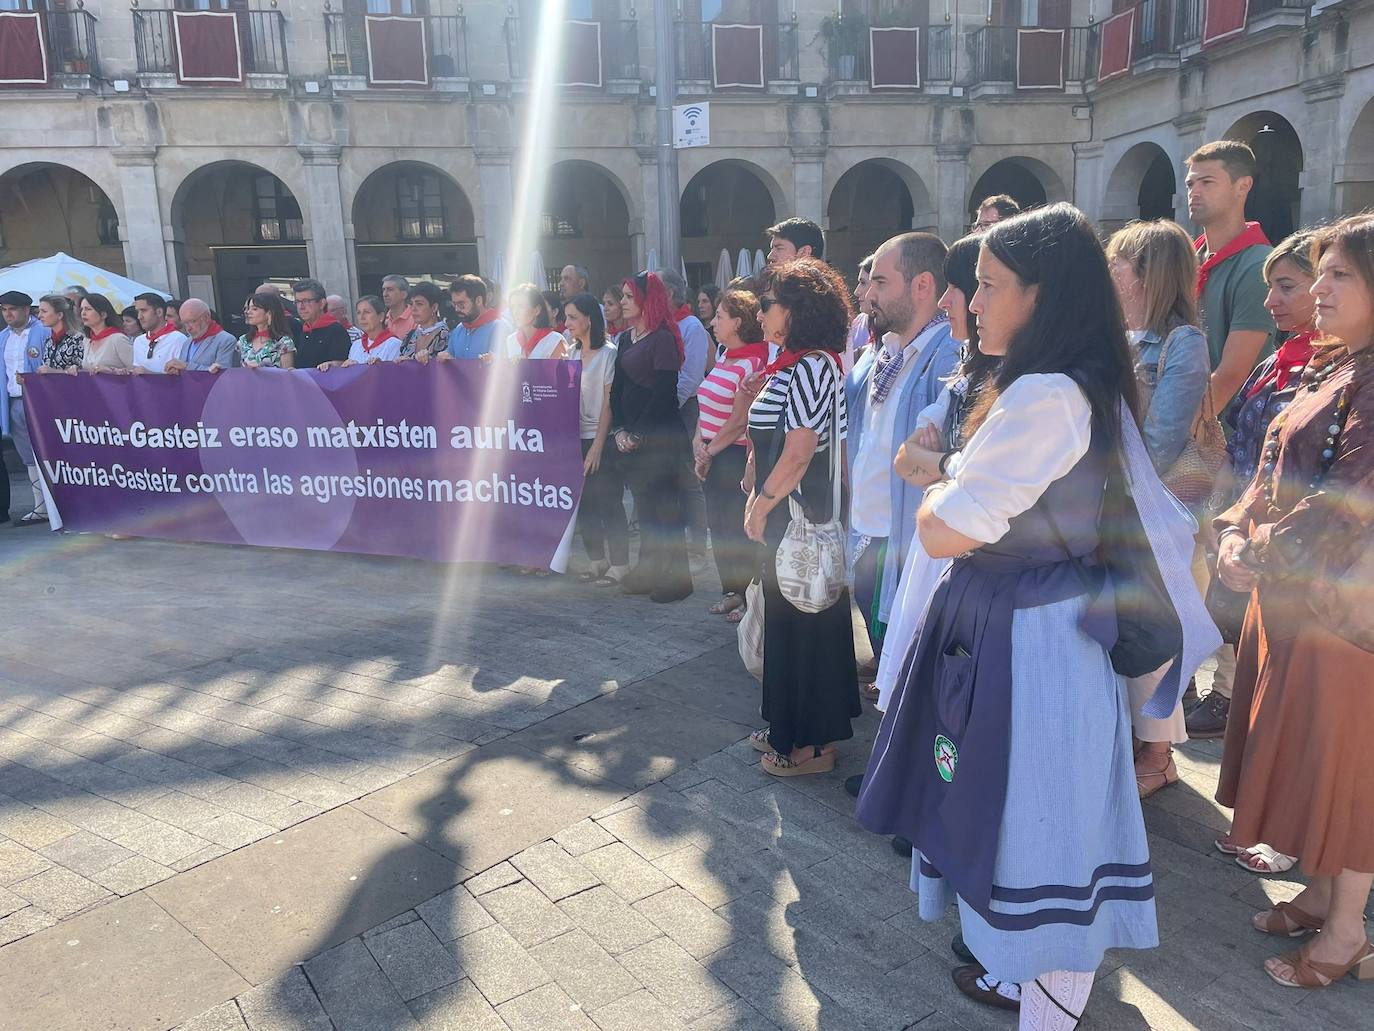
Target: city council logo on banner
x: 691, y: 125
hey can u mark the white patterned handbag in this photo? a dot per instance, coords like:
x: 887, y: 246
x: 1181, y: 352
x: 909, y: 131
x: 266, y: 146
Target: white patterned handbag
x: 811, y: 562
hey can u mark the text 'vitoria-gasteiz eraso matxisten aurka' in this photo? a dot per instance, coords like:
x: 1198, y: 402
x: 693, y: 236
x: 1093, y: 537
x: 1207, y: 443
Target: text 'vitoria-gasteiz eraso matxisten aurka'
x: 507, y: 436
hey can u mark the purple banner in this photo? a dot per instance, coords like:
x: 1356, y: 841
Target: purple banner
x: 459, y: 461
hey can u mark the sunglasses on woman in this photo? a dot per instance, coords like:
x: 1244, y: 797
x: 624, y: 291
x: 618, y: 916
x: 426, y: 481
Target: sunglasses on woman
x: 767, y: 302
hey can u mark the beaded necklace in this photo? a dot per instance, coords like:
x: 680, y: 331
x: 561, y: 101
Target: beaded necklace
x: 1312, y: 379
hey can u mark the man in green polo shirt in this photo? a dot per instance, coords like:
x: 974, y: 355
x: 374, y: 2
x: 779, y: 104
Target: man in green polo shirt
x: 1231, y: 289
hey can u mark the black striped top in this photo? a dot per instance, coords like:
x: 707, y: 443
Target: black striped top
x: 804, y: 395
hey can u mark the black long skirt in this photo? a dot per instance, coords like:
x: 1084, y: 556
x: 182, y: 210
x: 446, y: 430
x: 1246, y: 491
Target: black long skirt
x: 810, y: 679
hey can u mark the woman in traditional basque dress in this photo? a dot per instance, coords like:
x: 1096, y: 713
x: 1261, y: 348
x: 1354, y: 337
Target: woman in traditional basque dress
x: 1005, y: 754
x: 1296, y: 763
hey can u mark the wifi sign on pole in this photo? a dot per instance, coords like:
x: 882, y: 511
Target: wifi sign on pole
x: 691, y: 125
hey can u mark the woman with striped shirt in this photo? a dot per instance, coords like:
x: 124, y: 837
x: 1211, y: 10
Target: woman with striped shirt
x: 796, y: 428
x: 721, y: 447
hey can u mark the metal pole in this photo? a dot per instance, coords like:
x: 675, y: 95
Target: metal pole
x: 665, y: 78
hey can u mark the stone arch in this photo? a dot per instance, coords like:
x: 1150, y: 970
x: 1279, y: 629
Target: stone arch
x: 1355, y: 175
x: 1275, y: 201
x: 236, y: 224
x: 587, y: 221
x: 47, y: 207
x: 726, y: 204
x: 872, y: 201
x: 1029, y: 180
x: 412, y: 218
x: 1142, y: 185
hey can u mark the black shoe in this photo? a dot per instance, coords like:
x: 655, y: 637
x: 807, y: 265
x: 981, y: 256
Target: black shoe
x: 961, y: 950
x: 1209, y: 718
x: 640, y: 580
x: 966, y: 980
x: 853, y: 785
x: 902, y: 847
x: 1190, y: 700
x: 671, y: 591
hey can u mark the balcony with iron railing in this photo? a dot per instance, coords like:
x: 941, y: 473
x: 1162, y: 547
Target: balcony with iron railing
x: 992, y: 52
x: 443, y: 60
x: 1156, y: 34
x: 849, y: 51
x: 698, y: 57
x: 261, y: 39
x: 597, y: 54
x: 70, y: 41
x: 1266, y: 14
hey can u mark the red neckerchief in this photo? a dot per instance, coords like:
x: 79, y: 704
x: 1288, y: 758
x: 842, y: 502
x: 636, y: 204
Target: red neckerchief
x: 529, y: 345
x: 1253, y: 236
x: 157, y: 334
x: 324, y: 320
x: 616, y: 328
x: 485, y: 319
x: 1289, y: 362
x: 787, y: 358
x: 370, y: 345
x: 107, y: 331
x: 747, y: 351
x: 215, y: 327
x: 682, y: 313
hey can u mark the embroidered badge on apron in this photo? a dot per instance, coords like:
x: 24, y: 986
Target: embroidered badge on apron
x: 946, y: 758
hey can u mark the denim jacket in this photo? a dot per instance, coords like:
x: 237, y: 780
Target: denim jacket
x: 29, y: 363
x: 1172, y: 400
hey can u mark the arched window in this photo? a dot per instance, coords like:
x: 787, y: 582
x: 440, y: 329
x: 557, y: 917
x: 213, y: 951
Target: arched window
x: 276, y: 215
x: 420, y: 207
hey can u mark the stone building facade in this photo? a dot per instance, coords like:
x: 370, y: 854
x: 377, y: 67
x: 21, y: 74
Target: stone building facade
x: 317, y: 162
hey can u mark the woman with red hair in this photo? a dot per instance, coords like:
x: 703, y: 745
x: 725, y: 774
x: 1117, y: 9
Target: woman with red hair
x: 650, y: 436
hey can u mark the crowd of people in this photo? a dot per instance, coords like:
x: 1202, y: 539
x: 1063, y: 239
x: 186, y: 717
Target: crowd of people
x: 982, y: 420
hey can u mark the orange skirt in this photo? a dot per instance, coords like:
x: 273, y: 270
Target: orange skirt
x: 1297, y: 764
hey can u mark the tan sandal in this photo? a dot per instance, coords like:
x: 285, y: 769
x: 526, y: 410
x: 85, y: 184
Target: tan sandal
x: 759, y: 739
x: 1152, y: 781
x: 781, y: 766
x: 1262, y: 859
x: 727, y: 604
x: 1312, y: 973
x: 1287, y: 921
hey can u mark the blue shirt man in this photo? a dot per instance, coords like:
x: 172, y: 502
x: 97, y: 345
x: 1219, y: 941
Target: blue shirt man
x: 890, y: 385
x: 480, y: 330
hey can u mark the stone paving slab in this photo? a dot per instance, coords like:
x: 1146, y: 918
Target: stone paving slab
x: 287, y: 898
x: 128, y: 965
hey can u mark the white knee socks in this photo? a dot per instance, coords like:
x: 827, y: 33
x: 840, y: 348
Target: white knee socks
x: 1054, y: 1001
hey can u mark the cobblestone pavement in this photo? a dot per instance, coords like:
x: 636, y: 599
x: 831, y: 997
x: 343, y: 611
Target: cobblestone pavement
x: 262, y: 789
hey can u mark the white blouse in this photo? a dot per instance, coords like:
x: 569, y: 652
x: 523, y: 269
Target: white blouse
x: 1035, y: 433
x: 553, y: 345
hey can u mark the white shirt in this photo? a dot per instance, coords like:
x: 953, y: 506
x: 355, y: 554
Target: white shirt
x: 597, y: 374
x: 871, y: 505
x: 173, y: 345
x: 1036, y: 431
x: 552, y: 345
x: 387, y: 351
x: 14, y: 358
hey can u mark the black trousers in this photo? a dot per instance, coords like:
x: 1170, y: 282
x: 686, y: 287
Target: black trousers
x: 654, y: 474
x: 693, y: 495
x: 4, y: 484
x: 601, y: 516
x: 737, y: 557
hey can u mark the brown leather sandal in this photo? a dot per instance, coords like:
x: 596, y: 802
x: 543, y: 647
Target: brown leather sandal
x: 1312, y: 973
x: 1287, y: 921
